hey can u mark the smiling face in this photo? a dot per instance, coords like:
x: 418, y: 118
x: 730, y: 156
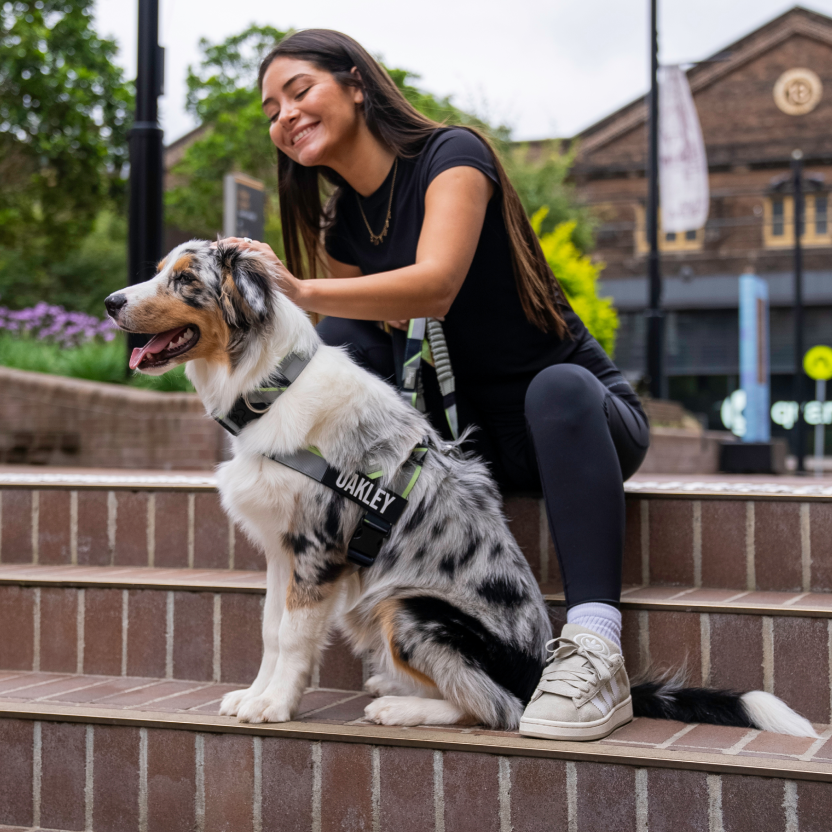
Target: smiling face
x: 313, y: 119
x: 203, y: 303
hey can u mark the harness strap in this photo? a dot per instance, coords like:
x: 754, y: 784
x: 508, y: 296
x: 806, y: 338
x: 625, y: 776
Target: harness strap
x: 426, y: 339
x: 384, y: 506
x: 251, y: 406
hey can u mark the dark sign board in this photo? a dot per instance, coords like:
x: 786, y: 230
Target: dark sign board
x: 244, y: 207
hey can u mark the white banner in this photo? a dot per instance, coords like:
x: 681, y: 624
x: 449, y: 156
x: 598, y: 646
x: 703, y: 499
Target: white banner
x: 683, y: 167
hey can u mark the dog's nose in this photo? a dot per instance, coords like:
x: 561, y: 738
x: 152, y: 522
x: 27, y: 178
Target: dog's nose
x: 114, y: 303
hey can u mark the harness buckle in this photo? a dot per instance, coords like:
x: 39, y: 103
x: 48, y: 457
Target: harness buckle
x: 368, y: 539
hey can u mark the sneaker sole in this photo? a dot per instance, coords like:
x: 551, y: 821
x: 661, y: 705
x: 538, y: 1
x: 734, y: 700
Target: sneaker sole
x: 548, y: 729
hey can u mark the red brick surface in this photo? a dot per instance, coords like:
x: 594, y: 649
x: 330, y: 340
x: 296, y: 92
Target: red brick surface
x: 604, y: 791
x: 777, y: 545
x: 631, y: 572
x: 93, y: 542
x: 346, y: 787
x: 801, y: 661
x: 242, y: 641
x: 406, y: 780
x: 229, y: 782
x: 671, y: 541
x: 723, y: 543
x: 677, y: 800
x: 820, y: 526
x: 116, y: 779
x: 193, y: 635
x: 675, y: 643
x: 538, y: 795
x: 16, y: 533
x: 131, y: 529
x: 814, y: 801
x: 286, y: 784
x: 102, y: 631
x: 53, y: 527
x: 171, y: 781
x: 171, y: 524
x: 210, y: 533
x: 471, y: 792
x: 246, y: 554
x: 340, y: 668
x: 736, y: 652
x: 63, y: 775
x: 16, y: 771
x: 17, y: 625
x: 146, y: 625
x: 58, y: 629
x: 752, y: 804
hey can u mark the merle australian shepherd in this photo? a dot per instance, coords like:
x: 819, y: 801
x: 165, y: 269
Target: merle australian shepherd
x: 449, y: 614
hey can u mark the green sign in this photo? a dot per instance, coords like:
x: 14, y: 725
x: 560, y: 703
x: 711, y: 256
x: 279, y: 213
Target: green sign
x: 818, y: 363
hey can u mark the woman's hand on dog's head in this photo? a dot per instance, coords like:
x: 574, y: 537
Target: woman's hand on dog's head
x: 289, y: 284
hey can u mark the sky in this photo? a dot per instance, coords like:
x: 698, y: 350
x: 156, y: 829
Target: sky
x: 545, y: 68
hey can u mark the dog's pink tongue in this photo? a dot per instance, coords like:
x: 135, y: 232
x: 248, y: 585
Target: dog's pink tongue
x: 155, y: 345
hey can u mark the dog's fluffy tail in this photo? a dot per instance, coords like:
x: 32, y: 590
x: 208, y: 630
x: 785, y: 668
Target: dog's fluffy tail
x: 668, y: 699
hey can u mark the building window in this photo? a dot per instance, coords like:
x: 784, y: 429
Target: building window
x: 668, y: 240
x: 778, y: 229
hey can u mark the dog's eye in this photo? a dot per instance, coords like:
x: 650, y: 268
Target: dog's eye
x: 185, y: 277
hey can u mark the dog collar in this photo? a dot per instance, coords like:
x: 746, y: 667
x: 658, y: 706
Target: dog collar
x: 251, y: 406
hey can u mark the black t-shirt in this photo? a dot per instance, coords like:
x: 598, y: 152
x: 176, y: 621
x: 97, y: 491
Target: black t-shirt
x: 491, y: 343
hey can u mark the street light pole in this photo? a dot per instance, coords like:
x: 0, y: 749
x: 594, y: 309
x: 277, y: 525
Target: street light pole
x: 655, y: 315
x: 146, y: 187
x: 799, y: 386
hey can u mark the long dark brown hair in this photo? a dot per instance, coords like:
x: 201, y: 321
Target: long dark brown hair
x: 401, y: 127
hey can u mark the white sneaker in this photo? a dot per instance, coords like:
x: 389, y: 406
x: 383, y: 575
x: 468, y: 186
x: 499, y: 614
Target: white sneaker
x: 584, y: 693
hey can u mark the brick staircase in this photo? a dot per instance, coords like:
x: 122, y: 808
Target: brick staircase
x: 129, y: 606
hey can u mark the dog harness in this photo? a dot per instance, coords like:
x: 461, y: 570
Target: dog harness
x: 384, y: 506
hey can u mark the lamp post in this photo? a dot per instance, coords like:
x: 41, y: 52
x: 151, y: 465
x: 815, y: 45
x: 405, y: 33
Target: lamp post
x: 799, y: 386
x: 146, y: 186
x: 654, y: 313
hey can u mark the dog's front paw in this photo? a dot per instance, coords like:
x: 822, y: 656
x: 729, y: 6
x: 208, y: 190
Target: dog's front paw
x: 231, y: 702
x: 396, y: 710
x: 265, y: 709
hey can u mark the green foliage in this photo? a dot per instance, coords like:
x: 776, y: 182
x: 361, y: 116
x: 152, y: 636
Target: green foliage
x: 95, y: 361
x: 541, y: 181
x: 63, y: 123
x: 578, y: 276
x: 79, y: 280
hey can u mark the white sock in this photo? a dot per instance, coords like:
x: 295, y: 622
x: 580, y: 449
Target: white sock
x: 603, y: 619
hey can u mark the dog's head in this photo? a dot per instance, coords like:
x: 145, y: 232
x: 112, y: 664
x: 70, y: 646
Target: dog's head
x: 205, y: 301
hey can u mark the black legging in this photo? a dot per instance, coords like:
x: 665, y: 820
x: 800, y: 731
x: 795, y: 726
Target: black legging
x: 570, y: 433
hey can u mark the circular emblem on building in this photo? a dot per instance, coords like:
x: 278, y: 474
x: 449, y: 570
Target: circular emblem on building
x: 798, y: 91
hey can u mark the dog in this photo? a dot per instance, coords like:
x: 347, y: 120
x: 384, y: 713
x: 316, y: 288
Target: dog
x: 449, y: 613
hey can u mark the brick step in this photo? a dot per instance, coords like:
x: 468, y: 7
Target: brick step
x: 205, y: 626
x: 136, y: 762
x: 725, y: 535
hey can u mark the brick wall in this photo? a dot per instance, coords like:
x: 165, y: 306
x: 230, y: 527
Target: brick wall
x: 52, y: 420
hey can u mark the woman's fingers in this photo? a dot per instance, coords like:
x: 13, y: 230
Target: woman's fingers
x: 399, y: 324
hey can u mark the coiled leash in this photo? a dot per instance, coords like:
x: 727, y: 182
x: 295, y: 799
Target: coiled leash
x: 384, y: 506
x: 426, y: 341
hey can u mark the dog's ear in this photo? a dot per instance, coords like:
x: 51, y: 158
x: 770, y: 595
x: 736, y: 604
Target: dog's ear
x: 246, y: 288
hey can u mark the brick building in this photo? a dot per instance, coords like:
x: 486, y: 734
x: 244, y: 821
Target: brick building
x: 749, y: 140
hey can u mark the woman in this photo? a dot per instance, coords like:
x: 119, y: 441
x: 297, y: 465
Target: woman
x: 424, y: 223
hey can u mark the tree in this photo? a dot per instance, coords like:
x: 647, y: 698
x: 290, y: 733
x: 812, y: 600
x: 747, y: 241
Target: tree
x: 578, y: 277
x: 64, y: 110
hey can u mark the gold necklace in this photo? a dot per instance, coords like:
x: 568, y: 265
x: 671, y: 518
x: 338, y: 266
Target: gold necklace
x: 375, y: 239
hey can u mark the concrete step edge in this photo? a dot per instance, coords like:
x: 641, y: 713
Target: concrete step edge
x: 472, y: 742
